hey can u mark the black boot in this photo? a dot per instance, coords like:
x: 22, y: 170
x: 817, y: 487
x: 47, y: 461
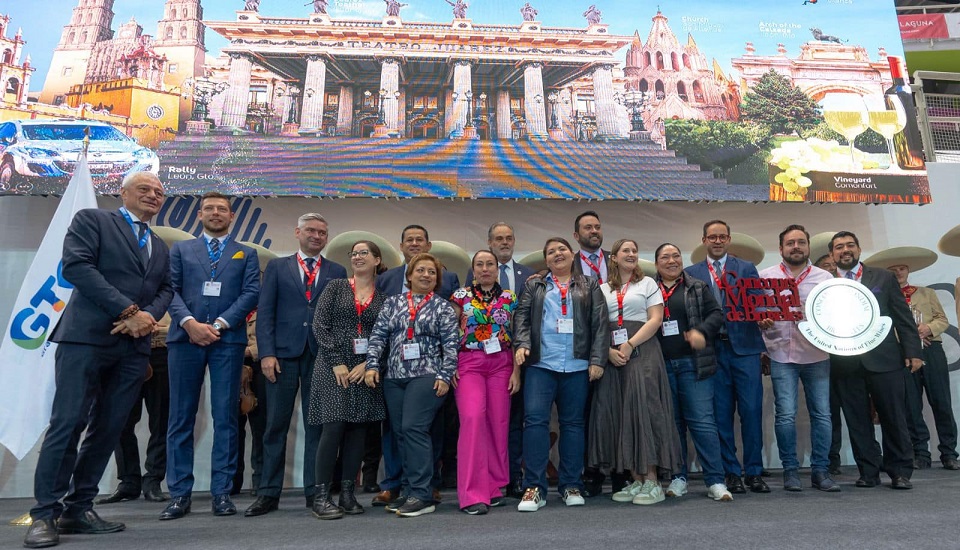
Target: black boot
x: 323, y: 506
x: 348, y: 502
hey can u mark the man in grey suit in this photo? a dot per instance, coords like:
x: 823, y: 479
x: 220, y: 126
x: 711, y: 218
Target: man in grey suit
x: 288, y: 350
x: 121, y: 278
x: 216, y: 282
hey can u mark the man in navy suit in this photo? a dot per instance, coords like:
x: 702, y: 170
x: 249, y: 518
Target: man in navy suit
x: 878, y: 374
x: 216, y: 282
x: 288, y: 350
x: 414, y: 240
x: 739, y: 380
x: 513, y: 276
x: 121, y: 277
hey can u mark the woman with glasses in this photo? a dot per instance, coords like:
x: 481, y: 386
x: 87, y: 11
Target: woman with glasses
x: 339, y: 399
x: 486, y: 378
x: 561, y: 332
x: 631, y: 415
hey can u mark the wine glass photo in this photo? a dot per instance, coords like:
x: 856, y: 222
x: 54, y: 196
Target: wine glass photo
x: 847, y: 115
x: 887, y: 117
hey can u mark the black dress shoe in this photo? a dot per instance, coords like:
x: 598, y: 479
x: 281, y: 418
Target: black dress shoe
x: 120, y: 495
x: 88, y: 523
x: 263, y: 505
x: 950, y: 464
x: 152, y: 493
x: 42, y: 534
x: 921, y: 463
x: 901, y: 483
x: 734, y: 484
x: 756, y: 484
x: 515, y: 489
x: 178, y: 507
x: 223, y: 506
x: 371, y: 487
x: 867, y: 482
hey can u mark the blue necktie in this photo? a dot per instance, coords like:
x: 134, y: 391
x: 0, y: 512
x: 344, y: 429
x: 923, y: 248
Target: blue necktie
x: 145, y: 249
x: 851, y: 275
x: 306, y: 286
x: 716, y: 287
x: 504, y: 278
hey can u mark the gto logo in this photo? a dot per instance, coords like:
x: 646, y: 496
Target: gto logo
x: 29, y: 327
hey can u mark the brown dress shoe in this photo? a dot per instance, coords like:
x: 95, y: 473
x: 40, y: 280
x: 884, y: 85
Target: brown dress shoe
x: 384, y: 497
x: 436, y: 495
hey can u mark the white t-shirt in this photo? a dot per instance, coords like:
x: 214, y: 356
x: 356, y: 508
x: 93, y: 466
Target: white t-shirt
x: 639, y: 296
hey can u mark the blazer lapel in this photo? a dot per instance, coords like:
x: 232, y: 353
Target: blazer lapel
x: 128, y: 237
x: 229, y: 249
x: 154, y: 251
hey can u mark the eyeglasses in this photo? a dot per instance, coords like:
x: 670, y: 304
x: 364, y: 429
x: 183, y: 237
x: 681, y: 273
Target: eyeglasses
x: 359, y: 253
x: 717, y: 238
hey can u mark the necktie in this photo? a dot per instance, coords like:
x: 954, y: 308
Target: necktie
x: 214, y: 257
x: 851, y: 275
x: 306, y: 280
x: 145, y: 249
x: 716, y: 287
x: 504, y: 278
x: 593, y: 260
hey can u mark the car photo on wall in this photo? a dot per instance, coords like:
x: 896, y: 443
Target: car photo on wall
x: 39, y: 156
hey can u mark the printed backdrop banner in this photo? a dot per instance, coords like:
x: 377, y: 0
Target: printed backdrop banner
x: 685, y: 100
x: 921, y: 26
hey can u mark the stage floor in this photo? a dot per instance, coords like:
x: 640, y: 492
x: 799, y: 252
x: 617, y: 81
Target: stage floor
x: 925, y: 517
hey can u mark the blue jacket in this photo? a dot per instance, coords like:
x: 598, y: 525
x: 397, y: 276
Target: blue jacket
x: 239, y: 275
x: 284, y: 316
x: 391, y: 282
x: 745, y: 338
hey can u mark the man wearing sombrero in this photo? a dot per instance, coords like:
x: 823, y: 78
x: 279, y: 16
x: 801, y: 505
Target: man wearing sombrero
x: 934, y: 377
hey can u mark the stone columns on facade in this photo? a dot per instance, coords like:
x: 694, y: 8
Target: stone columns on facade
x: 449, y: 113
x: 311, y: 117
x: 237, y: 96
x: 607, y: 127
x: 533, y: 101
x: 504, y: 119
x: 345, y: 112
x: 462, y: 83
x: 390, y: 83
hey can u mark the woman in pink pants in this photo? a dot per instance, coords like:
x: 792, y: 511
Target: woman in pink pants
x: 485, y: 380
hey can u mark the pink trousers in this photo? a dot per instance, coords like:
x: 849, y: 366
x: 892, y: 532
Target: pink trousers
x: 483, y: 402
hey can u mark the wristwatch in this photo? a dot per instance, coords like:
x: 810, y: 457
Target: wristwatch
x: 217, y: 326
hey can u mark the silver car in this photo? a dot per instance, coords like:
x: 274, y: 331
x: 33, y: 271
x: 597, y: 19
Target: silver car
x: 39, y: 156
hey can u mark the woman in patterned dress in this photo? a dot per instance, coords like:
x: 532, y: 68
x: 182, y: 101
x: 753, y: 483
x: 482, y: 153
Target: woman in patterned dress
x: 486, y: 378
x: 339, y: 399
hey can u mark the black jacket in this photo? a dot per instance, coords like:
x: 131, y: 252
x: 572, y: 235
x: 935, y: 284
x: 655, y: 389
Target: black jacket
x: 703, y: 314
x: 591, y: 332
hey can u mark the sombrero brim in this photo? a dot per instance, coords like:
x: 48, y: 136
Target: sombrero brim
x: 914, y: 257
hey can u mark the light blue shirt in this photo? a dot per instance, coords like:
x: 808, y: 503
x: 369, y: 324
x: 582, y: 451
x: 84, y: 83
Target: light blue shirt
x: 556, y: 350
x: 601, y: 263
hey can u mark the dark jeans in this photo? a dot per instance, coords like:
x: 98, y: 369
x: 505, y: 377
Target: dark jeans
x: 412, y: 405
x: 934, y: 379
x: 515, y: 434
x: 96, y: 389
x: 693, y: 411
x: 295, y: 374
x: 155, y: 395
x: 738, y: 386
x: 542, y: 389
x: 257, y: 420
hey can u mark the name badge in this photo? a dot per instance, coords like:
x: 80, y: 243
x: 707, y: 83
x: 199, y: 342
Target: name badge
x: 359, y: 346
x: 565, y: 326
x: 411, y: 351
x: 491, y: 345
x: 211, y: 288
x: 671, y: 328
x: 619, y: 336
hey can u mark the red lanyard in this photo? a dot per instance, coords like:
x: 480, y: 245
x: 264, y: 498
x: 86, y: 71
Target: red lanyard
x: 309, y: 276
x: 666, y: 295
x: 594, y: 268
x: 800, y: 278
x: 564, y: 288
x: 360, y: 307
x: 414, y: 310
x: 908, y: 292
x: 716, y: 278
x: 621, y: 292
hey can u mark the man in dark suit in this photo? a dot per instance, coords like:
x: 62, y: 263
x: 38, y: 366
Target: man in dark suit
x: 414, y: 240
x: 739, y: 380
x: 288, y: 350
x: 878, y: 373
x: 121, y: 278
x: 513, y: 276
x: 216, y: 282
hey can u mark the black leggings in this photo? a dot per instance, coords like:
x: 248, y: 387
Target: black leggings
x: 352, y: 437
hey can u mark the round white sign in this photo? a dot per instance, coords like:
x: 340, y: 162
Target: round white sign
x: 842, y: 317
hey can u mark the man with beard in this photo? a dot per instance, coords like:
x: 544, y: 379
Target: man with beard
x: 794, y: 359
x: 878, y: 373
x: 591, y: 260
x: 288, y: 349
x: 738, y: 382
x: 216, y: 282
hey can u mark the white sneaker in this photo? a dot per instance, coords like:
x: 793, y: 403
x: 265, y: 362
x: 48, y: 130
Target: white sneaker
x: 628, y: 492
x: 651, y: 493
x: 531, y: 501
x: 572, y: 497
x: 677, y: 487
x: 719, y: 492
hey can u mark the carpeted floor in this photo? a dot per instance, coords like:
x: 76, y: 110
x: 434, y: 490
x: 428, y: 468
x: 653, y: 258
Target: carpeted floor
x: 926, y: 517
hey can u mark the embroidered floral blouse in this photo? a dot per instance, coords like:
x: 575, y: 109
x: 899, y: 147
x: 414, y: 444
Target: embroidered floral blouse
x: 482, y: 319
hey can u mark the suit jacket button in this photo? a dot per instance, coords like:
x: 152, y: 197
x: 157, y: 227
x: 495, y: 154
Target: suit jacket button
x: 306, y: 324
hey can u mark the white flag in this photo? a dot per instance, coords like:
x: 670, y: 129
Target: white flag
x: 26, y: 357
